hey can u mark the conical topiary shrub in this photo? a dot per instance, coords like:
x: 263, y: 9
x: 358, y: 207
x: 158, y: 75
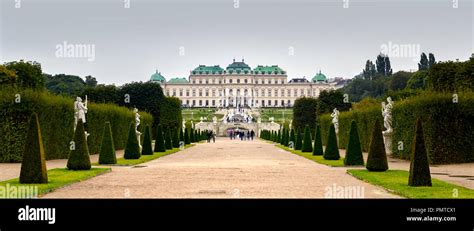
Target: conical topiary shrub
x: 132, y: 150
x: 377, y: 159
x: 196, y: 136
x: 287, y: 137
x: 307, y: 141
x: 107, y: 147
x: 33, y: 165
x: 354, y: 150
x: 160, y: 140
x: 187, y: 140
x: 168, y: 142
x: 318, y: 143
x: 181, y: 135
x: 175, y: 138
x: 292, y: 138
x: 282, y: 141
x: 332, y: 149
x: 147, y: 148
x: 299, y: 140
x: 79, y: 158
x: 191, y: 136
x: 420, y: 166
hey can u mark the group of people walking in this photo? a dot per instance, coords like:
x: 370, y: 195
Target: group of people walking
x: 242, y: 135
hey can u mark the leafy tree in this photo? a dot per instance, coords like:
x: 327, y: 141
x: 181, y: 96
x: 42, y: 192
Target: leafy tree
x: 145, y: 96
x: 132, y: 149
x: 172, y: 117
x: 354, y: 150
x: 380, y: 64
x: 304, y: 112
x: 79, y: 158
x: 399, y: 80
x: 424, y: 64
x: 90, y: 81
x: 388, y: 66
x: 332, y: 149
x: 419, y: 167
x: 69, y: 85
x: 147, y: 148
x: 377, y: 159
x: 7, y: 77
x: 307, y: 143
x: 370, y: 71
x: 102, y: 93
x: 29, y: 74
x: 318, y: 143
x: 160, y: 140
x: 328, y: 100
x: 33, y: 166
x: 431, y: 60
x: 107, y: 148
x: 418, y: 80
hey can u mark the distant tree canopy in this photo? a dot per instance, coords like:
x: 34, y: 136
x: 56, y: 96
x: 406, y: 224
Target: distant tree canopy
x: 173, y: 117
x: 399, y: 80
x: 29, y: 74
x: 451, y: 76
x: 102, y: 93
x: 328, y: 100
x: 304, y: 113
x: 7, y: 77
x: 70, y: 85
x: 90, y: 81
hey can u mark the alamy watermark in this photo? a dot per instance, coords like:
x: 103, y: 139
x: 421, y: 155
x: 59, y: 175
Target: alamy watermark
x: 18, y: 192
x: 69, y: 50
x: 401, y: 50
x: 337, y: 191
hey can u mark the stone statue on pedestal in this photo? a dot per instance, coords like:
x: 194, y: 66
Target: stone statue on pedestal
x: 80, y: 111
x: 335, y: 119
x: 137, y: 122
x: 387, y: 115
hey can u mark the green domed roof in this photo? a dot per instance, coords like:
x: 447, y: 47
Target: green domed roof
x: 238, y: 67
x: 319, y: 77
x: 157, y: 77
x: 275, y: 69
x: 177, y: 80
x: 206, y: 70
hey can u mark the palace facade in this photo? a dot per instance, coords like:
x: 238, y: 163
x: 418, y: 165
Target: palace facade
x: 240, y: 85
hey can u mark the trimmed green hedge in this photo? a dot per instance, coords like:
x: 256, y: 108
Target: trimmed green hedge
x: 448, y: 127
x: 56, y: 118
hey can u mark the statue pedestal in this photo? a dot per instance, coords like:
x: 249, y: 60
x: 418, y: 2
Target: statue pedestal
x: 387, y: 139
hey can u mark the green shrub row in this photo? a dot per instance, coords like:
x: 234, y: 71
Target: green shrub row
x: 448, y: 123
x: 56, y: 118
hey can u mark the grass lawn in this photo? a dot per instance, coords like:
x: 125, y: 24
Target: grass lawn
x: 318, y: 159
x: 57, y: 178
x: 279, y: 115
x: 146, y: 158
x: 196, y: 114
x: 396, y: 181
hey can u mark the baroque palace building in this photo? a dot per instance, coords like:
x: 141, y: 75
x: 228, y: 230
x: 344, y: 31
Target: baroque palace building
x: 241, y: 86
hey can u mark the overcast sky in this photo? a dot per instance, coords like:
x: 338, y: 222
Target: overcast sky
x: 175, y: 36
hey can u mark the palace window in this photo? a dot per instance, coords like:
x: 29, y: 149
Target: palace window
x: 213, y: 92
x: 194, y: 81
x: 238, y: 80
x: 180, y: 92
x: 207, y: 102
x: 194, y: 102
x: 194, y: 93
x: 207, y: 81
x: 230, y: 80
x: 276, y: 93
x: 200, y: 102
x: 276, y: 103
x: 295, y: 93
x: 269, y: 103
x: 187, y: 92
x: 213, y: 103
x: 301, y: 92
x: 263, y: 92
x: 174, y: 92
x: 269, y: 92
x: 200, y: 93
x: 245, y: 80
x: 282, y: 102
x: 207, y: 92
x: 187, y: 102
x: 288, y: 93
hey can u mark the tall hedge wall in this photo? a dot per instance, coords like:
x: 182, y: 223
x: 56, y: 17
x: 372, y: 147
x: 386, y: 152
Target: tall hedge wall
x: 56, y: 117
x: 448, y: 127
